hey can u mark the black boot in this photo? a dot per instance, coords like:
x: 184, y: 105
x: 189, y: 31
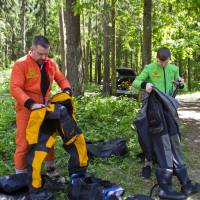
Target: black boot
x: 41, y: 194
x: 146, y: 172
x: 164, y: 178
x: 187, y: 187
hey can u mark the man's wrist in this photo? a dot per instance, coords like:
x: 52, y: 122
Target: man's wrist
x: 29, y: 103
x: 143, y: 85
x: 68, y: 91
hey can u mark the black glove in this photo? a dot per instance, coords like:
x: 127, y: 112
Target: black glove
x: 68, y: 91
x: 179, y: 84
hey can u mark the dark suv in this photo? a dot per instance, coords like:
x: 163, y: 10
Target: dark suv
x: 125, y: 77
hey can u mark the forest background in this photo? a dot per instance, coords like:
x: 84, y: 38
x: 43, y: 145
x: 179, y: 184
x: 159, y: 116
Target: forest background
x: 89, y: 40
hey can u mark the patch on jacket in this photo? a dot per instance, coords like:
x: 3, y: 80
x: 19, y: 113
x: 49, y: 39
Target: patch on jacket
x: 156, y: 75
x: 32, y: 74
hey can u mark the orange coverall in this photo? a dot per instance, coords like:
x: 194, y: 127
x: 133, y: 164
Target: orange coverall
x: 25, y: 84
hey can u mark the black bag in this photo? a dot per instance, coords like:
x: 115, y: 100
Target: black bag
x: 13, y: 183
x: 15, y: 187
x: 101, y: 149
x: 92, y: 188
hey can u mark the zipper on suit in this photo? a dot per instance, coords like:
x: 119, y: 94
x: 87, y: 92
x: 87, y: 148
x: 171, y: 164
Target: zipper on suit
x: 40, y: 67
x: 164, y: 79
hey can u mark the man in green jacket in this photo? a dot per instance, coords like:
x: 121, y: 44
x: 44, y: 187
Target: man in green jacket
x: 161, y: 75
x: 165, y: 76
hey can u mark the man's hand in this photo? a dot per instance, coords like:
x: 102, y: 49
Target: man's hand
x: 179, y: 82
x: 37, y: 106
x: 149, y: 87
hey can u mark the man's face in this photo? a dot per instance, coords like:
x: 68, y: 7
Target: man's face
x: 163, y: 63
x: 39, y: 53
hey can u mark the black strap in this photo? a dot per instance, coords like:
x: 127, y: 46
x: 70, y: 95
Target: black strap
x: 45, y: 81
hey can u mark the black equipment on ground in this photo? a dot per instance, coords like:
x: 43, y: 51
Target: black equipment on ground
x: 116, y: 146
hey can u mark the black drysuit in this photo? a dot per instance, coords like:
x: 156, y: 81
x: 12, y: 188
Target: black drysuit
x: 43, y: 127
x: 158, y: 130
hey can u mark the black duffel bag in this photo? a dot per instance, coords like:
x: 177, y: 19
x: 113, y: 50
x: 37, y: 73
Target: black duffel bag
x: 91, y: 188
x: 105, y: 149
x: 14, y: 187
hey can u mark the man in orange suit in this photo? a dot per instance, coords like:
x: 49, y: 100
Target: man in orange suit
x: 30, y: 84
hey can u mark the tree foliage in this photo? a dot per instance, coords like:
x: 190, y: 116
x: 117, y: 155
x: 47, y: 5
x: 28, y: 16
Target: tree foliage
x: 175, y: 24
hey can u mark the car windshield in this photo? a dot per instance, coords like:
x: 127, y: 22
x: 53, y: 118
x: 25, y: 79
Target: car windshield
x: 125, y: 72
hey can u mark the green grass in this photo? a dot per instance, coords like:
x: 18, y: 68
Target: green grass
x: 100, y: 118
x: 4, y: 82
x: 7, y: 136
x: 104, y: 118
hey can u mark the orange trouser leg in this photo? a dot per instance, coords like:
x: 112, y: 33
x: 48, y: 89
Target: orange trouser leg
x: 22, y: 146
x: 22, y: 117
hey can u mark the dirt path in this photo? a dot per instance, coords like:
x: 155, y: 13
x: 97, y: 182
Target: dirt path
x: 189, y: 113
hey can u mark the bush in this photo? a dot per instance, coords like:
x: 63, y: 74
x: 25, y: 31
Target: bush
x: 7, y: 135
x: 106, y: 117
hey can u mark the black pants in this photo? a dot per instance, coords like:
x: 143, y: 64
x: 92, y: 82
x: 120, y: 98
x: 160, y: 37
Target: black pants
x: 75, y: 146
x: 167, y: 145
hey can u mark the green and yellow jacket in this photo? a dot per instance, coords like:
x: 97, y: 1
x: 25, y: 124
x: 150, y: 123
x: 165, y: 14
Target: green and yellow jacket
x: 161, y: 77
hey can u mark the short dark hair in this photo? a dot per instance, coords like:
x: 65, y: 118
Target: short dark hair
x: 41, y: 40
x: 163, y: 53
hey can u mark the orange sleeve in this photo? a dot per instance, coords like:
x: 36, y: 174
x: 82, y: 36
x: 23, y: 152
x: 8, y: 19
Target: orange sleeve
x: 17, y: 82
x: 60, y: 79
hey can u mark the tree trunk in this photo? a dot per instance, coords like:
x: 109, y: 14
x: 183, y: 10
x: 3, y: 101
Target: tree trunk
x: 137, y: 56
x: 196, y: 74
x: 84, y: 51
x: 147, y: 33
x: 126, y: 58
x: 74, y: 53
x: 119, y: 52
x: 106, y: 46
x: 88, y: 52
x: 62, y: 40
x: 98, y: 76
x: 189, y: 75
x: 96, y: 66
x: 90, y: 64
x: 1, y: 56
x: 131, y: 59
x: 113, y: 59
x: 45, y: 17
x: 6, y: 53
x: 23, y: 28
x: 97, y: 48
x: 13, y: 50
x: 140, y: 53
x: 99, y: 68
x: 180, y: 64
